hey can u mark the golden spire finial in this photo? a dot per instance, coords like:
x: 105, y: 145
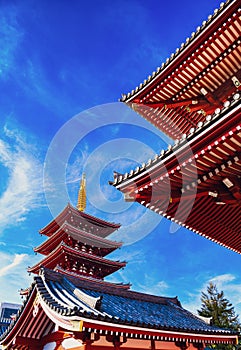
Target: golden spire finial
x: 81, y: 204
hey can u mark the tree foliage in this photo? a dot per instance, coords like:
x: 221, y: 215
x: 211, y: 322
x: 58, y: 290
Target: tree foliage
x: 216, y: 306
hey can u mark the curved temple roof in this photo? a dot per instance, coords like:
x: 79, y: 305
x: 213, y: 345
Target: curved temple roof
x: 62, y: 251
x: 195, y: 98
x: 74, y: 305
x: 83, y: 220
x: 67, y: 230
x: 198, y: 175
x: 195, y: 80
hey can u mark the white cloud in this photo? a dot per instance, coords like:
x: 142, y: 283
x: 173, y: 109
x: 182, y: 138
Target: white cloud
x: 137, y: 224
x: 18, y: 258
x: 132, y: 257
x: 221, y: 280
x: 13, y: 275
x: 135, y: 273
x: 74, y: 171
x: 23, y: 181
x: 151, y: 286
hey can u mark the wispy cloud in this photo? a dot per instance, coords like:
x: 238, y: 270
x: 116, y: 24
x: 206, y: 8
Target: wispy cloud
x: 222, y: 280
x: 151, y: 286
x: 13, y: 275
x: 17, y: 259
x: 37, y: 86
x: 131, y: 256
x: 23, y: 188
x: 74, y: 169
x: 10, y: 38
x: 136, y: 224
x: 148, y: 285
x: 137, y: 272
x: 118, y: 154
x: 24, y: 66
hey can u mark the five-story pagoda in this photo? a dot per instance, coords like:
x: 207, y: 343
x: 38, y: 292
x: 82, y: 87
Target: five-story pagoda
x: 77, y: 243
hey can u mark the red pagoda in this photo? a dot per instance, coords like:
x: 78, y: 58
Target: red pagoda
x: 70, y: 306
x: 194, y: 97
x: 77, y: 244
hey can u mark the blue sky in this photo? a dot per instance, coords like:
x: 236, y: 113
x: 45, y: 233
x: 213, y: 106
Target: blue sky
x: 63, y: 67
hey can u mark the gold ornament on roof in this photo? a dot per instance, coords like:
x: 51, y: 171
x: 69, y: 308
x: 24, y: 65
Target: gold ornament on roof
x: 81, y: 204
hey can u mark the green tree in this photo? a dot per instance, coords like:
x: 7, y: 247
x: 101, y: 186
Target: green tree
x: 216, y: 306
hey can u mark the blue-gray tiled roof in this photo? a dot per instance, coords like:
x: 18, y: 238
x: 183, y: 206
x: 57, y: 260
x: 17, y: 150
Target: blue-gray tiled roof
x: 117, y: 305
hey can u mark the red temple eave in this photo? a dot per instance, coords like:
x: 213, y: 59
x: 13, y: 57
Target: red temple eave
x: 67, y: 230
x: 57, y: 222
x: 62, y: 250
x: 197, y: 79
x: 70, y: 211
x: 207, y: 137
x: 161, y: 335
x: 202, y: 33
x: 198, y: 176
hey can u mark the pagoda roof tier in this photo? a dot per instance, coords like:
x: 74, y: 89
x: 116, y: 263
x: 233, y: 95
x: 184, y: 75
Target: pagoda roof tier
x: 56, y: 301
x: 101, y: 245
x: 195, y: 80
x: 81, y: 220
x: 199, y: 175
x: 64, y: 254
x: 95, y: 282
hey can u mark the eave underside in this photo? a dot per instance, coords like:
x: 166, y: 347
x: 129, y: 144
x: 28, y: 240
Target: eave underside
x: 76, y: 237
x: 79, y: 262
x: 197, y: 81
x: 81, y: 220
x: 198, y: 187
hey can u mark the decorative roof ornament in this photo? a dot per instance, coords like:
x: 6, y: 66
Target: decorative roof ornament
x: 81, y: 204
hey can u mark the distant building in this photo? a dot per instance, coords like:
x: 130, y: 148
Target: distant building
x: 8, y: 313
